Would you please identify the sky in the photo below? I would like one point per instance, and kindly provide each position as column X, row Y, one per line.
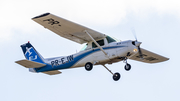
column 156, row 23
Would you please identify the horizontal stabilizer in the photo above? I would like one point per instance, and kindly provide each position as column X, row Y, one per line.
column 30, row 64
column 149, row 57
column 54, row 72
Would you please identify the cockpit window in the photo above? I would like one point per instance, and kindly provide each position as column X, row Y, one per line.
column 109, row 39
column 100, row 42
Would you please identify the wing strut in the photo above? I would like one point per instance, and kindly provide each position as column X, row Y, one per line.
column 95, row 42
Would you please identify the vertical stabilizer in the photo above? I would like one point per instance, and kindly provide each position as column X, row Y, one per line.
column 31, row 53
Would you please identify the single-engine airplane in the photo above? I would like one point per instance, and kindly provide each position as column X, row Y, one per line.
column 100, row 49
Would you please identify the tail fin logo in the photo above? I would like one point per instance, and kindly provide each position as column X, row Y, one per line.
column 29, row 54
column 28, row 50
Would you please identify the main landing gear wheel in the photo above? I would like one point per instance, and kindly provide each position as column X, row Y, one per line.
column 116, row 76
column 88, row 66
column 127, row 67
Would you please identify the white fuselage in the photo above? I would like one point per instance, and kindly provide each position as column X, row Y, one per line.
column 116, row 51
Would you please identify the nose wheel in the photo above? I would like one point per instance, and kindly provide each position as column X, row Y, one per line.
column 127, row 67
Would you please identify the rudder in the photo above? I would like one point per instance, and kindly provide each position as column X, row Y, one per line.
column 31, row 53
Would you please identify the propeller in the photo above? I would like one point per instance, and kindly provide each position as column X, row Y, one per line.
column 137, row 44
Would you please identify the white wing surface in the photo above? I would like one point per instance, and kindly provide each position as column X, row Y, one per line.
column 67, row 29
column 149, row 57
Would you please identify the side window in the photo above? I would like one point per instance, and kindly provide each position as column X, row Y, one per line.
column 100, row 42
column 84, row 47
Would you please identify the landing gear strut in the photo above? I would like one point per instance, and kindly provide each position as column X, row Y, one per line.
column 127, row 67
column 116, row 76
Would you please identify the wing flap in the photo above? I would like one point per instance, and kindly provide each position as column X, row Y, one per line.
column 67, row 29
column 54, row 72
column 149, row 57
column 30, row 64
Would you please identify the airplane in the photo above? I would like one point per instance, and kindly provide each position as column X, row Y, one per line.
column 99, row 49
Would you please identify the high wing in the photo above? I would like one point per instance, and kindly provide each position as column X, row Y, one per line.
column 30, row 64
column 149, row 57
column 67, row 29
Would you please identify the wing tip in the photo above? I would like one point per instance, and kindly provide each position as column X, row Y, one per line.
column 45, row 14
column 167, row 59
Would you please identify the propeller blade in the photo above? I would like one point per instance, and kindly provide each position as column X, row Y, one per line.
column 137, row 43
column 134, row 33
column 140, row 52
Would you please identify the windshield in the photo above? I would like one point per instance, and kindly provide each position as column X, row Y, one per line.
column 109, row 39
column 84, row 47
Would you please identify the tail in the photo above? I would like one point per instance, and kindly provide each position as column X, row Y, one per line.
column 31, row 54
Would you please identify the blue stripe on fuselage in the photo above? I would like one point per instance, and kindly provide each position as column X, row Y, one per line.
column 71, row 63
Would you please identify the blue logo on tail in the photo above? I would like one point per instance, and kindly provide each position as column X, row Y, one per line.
column 30, row 53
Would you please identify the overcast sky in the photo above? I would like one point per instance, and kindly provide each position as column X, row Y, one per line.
column 157, row 24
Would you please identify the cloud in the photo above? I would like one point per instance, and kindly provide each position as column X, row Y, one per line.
column 17, row 14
